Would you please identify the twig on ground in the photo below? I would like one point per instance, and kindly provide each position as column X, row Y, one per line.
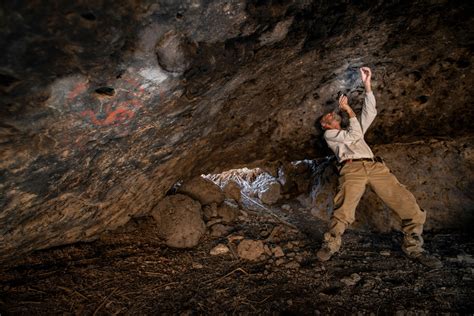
column 103, row 302
column 231, row 272
column 72, row 291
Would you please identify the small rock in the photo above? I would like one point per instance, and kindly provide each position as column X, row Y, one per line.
column 234, row 238
column 286, row 207
column 228, row 211
column 197, row 265
column 219, row 230
column 278, row 252
column 210, row 211
column 352, row 280
column 267, row 250
column 299, row 258
column 292, row 265
column 250, row 249
column 385, row 253
column 219, row 250
column 280, row 261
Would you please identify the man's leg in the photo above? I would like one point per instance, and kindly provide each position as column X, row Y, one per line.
column 352, row 182
column 404, row 204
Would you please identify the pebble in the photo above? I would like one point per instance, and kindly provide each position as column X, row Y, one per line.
column 280, row 261
column 267, row 250
column 197, row 265
column 234, row 238
column 278, row 252
column 219, row 250
column 385, row 253
column 286, row 207
column 292, row 265
column 352, row 280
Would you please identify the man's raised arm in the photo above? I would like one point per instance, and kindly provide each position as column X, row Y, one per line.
column 369, row 110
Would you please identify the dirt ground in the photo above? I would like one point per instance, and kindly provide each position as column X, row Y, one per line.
column 131, row 271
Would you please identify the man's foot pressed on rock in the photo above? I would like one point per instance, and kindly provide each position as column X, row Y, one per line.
column 324, row 254
column 426, row 259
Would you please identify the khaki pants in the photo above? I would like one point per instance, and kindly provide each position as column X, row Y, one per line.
column 354, row 177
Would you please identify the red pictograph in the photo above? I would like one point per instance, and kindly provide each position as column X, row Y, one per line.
column 119, row 109
column 123, row 112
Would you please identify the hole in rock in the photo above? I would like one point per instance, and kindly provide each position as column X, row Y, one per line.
column 463, row 63
column 105, row 91
column 7, row 80
column 422, row 99
column 88, row 16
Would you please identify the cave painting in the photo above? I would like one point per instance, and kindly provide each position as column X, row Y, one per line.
column 120, row 109
column 123, row 112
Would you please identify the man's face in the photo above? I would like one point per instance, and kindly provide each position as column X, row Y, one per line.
column 330, row 121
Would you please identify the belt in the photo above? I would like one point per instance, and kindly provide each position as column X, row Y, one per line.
column 375, row 159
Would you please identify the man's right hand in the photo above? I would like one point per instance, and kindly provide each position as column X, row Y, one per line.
column 366, row 75
column 344, row 105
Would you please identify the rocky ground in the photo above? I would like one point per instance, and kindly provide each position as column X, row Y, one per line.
column 131, row 271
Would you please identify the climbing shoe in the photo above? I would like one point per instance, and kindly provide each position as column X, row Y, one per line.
column 324, row 254
column 426, row 259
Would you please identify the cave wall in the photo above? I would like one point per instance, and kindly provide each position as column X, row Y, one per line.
column 106, row 104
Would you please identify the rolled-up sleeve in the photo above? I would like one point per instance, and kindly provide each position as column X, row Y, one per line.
column 369, row 111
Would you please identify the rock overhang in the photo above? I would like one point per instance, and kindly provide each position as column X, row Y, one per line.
column 105, row 107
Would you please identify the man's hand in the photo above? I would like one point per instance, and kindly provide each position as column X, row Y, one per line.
column 366, row 75
column 344, row 105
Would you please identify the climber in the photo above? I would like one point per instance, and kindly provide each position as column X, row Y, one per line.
column 358, row 168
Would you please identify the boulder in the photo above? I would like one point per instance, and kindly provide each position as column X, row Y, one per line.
column 203, row 190
column 232, row 190
column 179, row 221
column 174, row 52
column 270, row 193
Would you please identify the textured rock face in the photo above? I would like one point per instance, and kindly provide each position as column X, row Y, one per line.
column 105, row 105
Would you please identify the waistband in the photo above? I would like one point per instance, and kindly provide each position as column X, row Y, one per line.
column 374, row 159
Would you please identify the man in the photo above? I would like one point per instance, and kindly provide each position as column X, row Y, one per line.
column 359, row 168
